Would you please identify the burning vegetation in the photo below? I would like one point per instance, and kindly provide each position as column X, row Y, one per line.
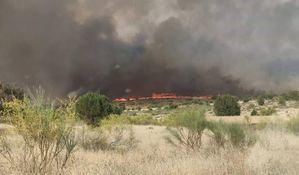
column 159, row 96
column 224, row 75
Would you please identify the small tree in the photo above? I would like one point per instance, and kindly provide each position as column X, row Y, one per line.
column 226, row 105
column 117, row 109
column 254, row 112
column 282, row 101
column 92, row 107
column 261, row 100
column 246, row 99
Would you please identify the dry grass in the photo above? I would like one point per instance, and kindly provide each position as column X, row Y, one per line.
column 276, row 152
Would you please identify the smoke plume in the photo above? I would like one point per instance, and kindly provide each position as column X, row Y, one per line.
column 135, row 47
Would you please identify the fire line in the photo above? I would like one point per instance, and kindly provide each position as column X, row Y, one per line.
column 159, row 96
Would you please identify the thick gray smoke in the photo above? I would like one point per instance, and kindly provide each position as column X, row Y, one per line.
column 135, row 47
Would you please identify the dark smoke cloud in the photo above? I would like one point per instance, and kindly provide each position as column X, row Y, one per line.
column 135, row 47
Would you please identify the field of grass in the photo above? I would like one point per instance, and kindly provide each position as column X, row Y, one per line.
column 276, row 152
column 40, row 138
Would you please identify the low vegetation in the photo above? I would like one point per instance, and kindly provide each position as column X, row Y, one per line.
column 253, row 112
column 186, row 128
column 143, row 119
column 291, row 95
column 226, row 105
column 92, row 107
column 293, row 125
column 267, row 111
column 45, row 131
column 282, row 101
column 8, row 93
column 234, row 134
column 92, row 135
column 261, row 100
column 109, row 137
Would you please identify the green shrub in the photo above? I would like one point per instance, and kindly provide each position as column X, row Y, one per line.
column 232, row 133
column 94, row 141
column 46, row 133
column 267, row 111
column 293, row 125
column 261, row 100
column 186, row 128
column 214, row 97
column 254, row 112
column 116, row 120
column 282, row 101
column 92, row 107
column 219, row 132
column 173, row 106
column 226, row 105
column 250, row 106
column 246, row 99
column 236, row 134
column 108, row 137
column 116, row 109
column 130, row 120
column 8, row 93
column 268, row 95
column 143, row 120
column 291, row 95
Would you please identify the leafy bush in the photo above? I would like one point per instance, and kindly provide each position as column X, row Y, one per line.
column 293, row 125
column 107, row 137
column 250, row 106
column 94, row 142
column 282, row 101
column 46, row 133
column 236, row 134
column 291, row 95
column 261, row 100
column 268, row 95
column 116, row 109
column 171, row 106
column 92, row 107
column 267, row 111
column 219, row 130
column 8, row 93
column 134, row 120
column 246, row 99
column 143, row 120
column 226, row 105
column 187, row 128
column 254, row 112
column 232, row 133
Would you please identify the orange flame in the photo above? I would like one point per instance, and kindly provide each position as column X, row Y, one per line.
column 162, row 96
